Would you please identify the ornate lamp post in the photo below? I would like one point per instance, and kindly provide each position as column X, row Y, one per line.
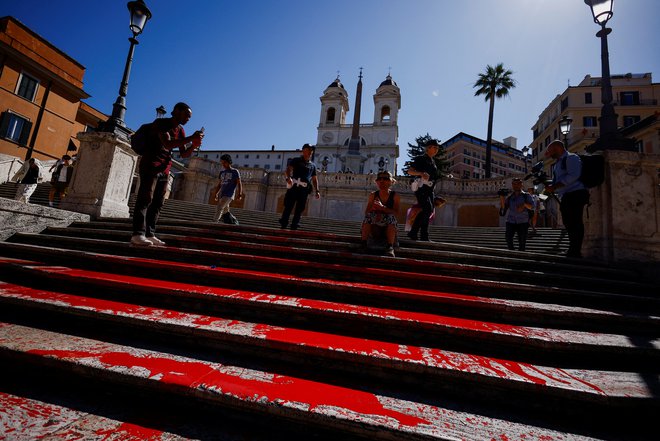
column 565, row 128
column 609, row 138
column 140, row 14
column 160, row 111
column 525, row 150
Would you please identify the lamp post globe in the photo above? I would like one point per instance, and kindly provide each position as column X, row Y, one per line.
column 525, row 150
column 140, row 14
column 610, row 138
column 601, row 10
column 565, row 127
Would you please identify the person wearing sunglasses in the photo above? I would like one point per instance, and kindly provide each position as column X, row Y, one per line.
column 380, row 214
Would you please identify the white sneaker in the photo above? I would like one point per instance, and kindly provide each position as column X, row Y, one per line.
column 156, row 241
column 141, row 241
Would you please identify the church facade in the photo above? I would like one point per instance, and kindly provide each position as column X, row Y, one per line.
column 378, row 147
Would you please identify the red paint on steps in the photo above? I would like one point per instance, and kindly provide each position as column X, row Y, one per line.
column 290, row 337
column 428, row 321
column 277, row 390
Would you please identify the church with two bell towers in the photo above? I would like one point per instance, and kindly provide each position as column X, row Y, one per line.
column 340, row 148
column 358, row 148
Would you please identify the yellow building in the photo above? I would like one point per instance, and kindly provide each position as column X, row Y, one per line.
column 41, row 89
column 635, row 102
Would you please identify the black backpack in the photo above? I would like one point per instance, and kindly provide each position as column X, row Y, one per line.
column 144, row 139
column 593, row 170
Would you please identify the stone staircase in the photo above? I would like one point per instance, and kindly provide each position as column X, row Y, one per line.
column 255, row 333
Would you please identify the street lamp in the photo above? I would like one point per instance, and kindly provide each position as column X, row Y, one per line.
column 525, row 150
column 160, row 111
column 609, row 138
column 565, row 128
column 382, row 164
column 140, row 14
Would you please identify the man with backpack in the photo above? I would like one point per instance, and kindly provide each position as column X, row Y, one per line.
column 574, row 195
column 161, row 137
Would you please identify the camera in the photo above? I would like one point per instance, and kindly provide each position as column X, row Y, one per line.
column 503, row 192
column 539, row 175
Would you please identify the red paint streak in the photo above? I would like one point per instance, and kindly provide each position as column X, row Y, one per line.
column 128, row 431
column 279, row 390
column 294, row 338
column 427, row 321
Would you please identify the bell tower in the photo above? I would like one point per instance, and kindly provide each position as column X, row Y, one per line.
column 387, row 102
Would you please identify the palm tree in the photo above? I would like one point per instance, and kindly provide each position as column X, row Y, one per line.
column 495, row 83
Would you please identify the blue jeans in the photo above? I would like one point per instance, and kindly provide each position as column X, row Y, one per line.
column 521, row 230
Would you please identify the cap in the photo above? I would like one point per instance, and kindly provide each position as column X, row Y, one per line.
column 432, row 142
column 307, row 146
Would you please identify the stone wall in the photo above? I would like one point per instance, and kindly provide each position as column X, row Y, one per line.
column 624, row 216
column 18, row 217
column 344, row 195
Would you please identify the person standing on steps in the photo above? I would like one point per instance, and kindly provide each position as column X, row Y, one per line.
column 229, row 185
column 301, row 180
column 516, row 207
column 426, row 170
column 166, row 135
column 572, row 193
column 28, row 177
column 60, row 179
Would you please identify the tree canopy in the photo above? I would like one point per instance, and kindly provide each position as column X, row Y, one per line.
column 419, row 148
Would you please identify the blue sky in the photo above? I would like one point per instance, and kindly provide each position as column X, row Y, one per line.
column 253, row 70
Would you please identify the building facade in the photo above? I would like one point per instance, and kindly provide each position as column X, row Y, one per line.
column 635, row 102
column 41, row 93
column 467, row 157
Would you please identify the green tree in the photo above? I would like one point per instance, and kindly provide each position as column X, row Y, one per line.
column 418, row 149
column 494, row 83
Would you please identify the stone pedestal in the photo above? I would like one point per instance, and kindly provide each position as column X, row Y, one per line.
column 102, row 177
column 624, row 216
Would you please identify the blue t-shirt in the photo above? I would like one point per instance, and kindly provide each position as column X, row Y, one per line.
column 228, row 181
column 567, row 170
column 514, row 201
column 303, row 170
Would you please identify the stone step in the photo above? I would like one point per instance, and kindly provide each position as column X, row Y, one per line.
column 320, row 253
column 411, row 249
column 399, row 324
column 217, row 297
column 360, row 356
column 335, row 273
column 307, row 402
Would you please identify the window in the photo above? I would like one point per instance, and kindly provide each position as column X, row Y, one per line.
column 267, row 166
column 588, row 99
column 15, row 128
column 629, row 98
column 257, row 157
column 476, row 163
column 466, row 161
column 629, row 120
column 589, row 121
column 27, row 87
column 330, row 118
column 564, row 104
column 278, row 166
column 385, row 114
column 247, row 156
